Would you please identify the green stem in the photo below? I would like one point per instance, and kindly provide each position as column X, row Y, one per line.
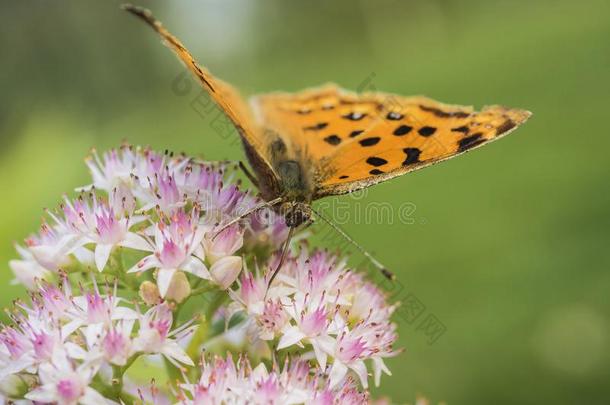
column 173, row 373
column 118, row 373
column 215, row 300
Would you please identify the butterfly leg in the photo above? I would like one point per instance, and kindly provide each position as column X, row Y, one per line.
column 248, row 174
column 380, row 267
column 283, row 256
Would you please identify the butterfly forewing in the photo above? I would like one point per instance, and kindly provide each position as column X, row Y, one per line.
column 343, row 141
column 316, row 121
column 411, row 134
column 228, row 99
column 357, row 140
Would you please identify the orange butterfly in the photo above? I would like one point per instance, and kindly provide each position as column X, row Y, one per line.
column 327, row 141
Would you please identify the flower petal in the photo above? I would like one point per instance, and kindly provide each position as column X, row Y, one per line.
column 337, row 372
column 291, row 336
column 102, row 253
column 135, row 241
column 164, row 279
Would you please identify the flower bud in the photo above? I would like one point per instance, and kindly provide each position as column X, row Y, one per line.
column 179, row 288
column 225, row 271
column 224, row 244
column 150, row 293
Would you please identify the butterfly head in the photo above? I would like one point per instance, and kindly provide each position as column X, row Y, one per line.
column 295, row 213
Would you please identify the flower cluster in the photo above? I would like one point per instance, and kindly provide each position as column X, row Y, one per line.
column 70, row 342
column 152, row 229
column 169, row 207
column 317, row 304
column 224, row 382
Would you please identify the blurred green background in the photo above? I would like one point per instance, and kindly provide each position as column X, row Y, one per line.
column 508, row 245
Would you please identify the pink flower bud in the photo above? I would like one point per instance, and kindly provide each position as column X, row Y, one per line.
column 225, row 271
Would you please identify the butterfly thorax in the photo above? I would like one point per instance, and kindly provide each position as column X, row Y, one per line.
column 294, row 182
column 295, row 191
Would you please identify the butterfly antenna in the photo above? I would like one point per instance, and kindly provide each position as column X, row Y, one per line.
column 382, row 269
column 285, row 249
column 249, row 212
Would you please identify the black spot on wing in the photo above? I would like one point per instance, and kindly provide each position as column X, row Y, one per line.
column 402, row 130
column 470, row 142
column 374, row 140
column 444, row 114
column 332, row 140
column 354, row 116
column 412, row 156
column 505, row 126
column 317, row 127
column 344, row 177
column 394, row 116
column 376, row 161
column 427, row 131
column 355, row 133
column 463, row 129
column 376, row 171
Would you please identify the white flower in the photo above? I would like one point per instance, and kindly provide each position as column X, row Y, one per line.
column 105, row 224
column 27, row 270
column 155, row 336
column 175, row 247
column 66, row 384
column 315, row 304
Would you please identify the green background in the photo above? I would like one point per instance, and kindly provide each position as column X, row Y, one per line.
column 508, row 245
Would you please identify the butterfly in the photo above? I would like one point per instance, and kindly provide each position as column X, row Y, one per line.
column 327, row 141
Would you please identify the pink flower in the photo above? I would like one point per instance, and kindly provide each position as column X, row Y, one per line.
column 155, row 335
column 323, row 308
column 225, row 382
column 95, row 221
column 95, row 312
column 64, row 383
column 117, row 344
column 27, row 270
column 176, row 247
column 224, row 244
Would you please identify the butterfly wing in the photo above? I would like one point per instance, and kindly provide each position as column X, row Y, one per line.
column 229, row 100
column 355, row 141
column 311, row 121
column 409, row 134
